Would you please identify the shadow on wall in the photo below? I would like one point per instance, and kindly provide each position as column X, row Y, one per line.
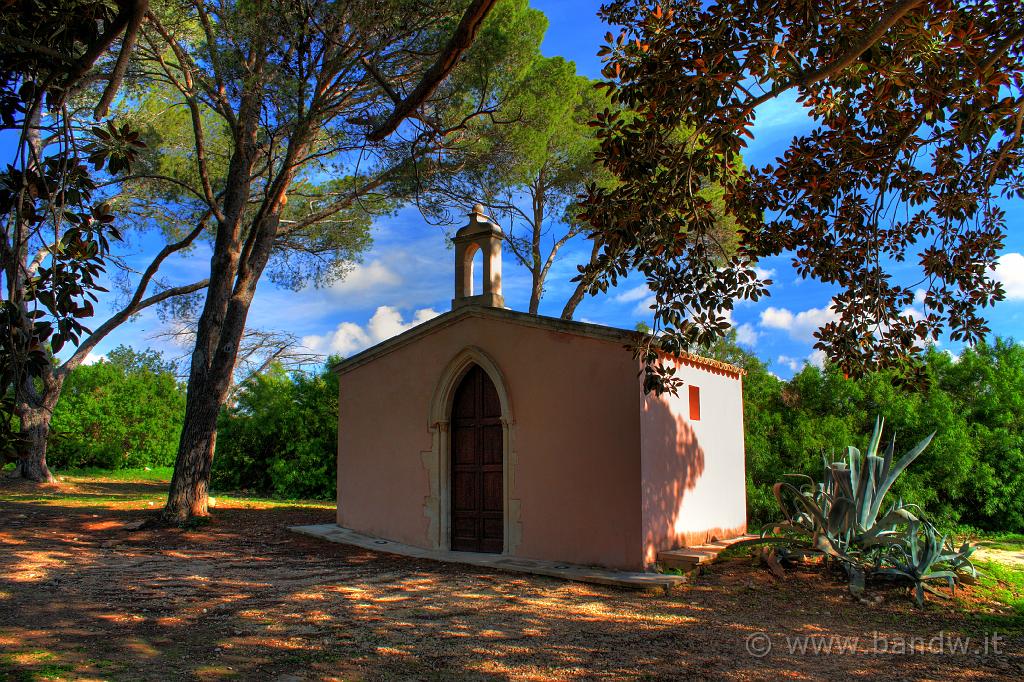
column 673, row 462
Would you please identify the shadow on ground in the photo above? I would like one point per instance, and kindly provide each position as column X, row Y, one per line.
column 242, row 597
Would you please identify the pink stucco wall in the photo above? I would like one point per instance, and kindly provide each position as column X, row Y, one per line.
column 575, row 407
column 693, row 471
column 601, row 474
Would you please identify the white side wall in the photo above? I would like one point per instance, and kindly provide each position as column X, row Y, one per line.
column 693, row 480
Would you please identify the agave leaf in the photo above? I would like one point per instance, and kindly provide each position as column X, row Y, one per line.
column 875, row 467
column 899, row 573
column 915, row 548
column 824, row 544
column 887, row 457
column 876, row 435
column 883, row 540
column 888, row 523
column 904, row 462
column 809, row 506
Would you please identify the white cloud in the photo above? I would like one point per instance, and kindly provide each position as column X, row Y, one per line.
column 746, row 335
column 764, row 273
column 92, row 359
column 641, row 295
column 635, row 294
column 1010, row 272
column 373, row 275
column 817, row 358
column 794, row 364
column 800, row 326
column 348, row 337
column 387, row 322
column 913, row 313
column 644, row 307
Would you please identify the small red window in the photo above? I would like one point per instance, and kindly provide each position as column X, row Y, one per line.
column 694, row 403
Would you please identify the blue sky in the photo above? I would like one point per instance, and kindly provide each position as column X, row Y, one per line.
column 407, row 276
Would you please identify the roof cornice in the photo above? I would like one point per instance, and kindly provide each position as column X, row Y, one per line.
column 555, row 324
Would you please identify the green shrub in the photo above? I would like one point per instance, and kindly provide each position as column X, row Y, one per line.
column 280, row 438
column 971, row 475
column 120, row 413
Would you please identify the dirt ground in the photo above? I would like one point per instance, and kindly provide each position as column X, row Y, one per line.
column 82, row 597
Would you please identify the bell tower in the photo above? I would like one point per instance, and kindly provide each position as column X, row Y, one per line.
column 483, row 235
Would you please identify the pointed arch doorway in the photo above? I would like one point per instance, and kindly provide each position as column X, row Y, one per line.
column 477, row 484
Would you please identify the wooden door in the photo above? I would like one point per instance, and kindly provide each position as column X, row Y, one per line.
column 477, row 485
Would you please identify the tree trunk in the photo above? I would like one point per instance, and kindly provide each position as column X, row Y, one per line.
column 35, row 414
column 536, row 291
column 190, row 486
column 217, row 340
column 577, row 297
column 537, row 268
column 222, row 321
column 581, row 287
column 35, row 428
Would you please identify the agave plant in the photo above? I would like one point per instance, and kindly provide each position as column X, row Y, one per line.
column 923, row 556
column 841, row 518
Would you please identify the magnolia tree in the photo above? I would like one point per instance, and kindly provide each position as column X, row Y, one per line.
column 917, row 111
column 55, row 224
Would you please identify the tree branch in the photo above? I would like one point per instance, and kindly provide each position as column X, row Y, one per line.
column 460, row 41
column 137, row 14
column 83, row 350
column 865, row 40
column 197, row 122
column 137, row 303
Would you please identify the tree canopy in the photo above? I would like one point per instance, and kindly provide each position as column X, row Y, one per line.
column 304, row 99
column 917, row 110
column 527, row 164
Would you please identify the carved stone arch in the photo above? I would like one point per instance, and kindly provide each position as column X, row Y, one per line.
column 437, row 461
column 444, row 391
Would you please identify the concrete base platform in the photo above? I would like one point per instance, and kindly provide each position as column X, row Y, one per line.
column 650, row 582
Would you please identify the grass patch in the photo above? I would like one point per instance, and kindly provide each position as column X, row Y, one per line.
column 1004, row 584
column 131, row 488
column 250, row 501
column 145, row 474
column 1010, row 542
column 739, row 550
column 32, row 665
column 51, row 671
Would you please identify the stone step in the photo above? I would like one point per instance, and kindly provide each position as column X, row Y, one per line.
column 690, row 558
